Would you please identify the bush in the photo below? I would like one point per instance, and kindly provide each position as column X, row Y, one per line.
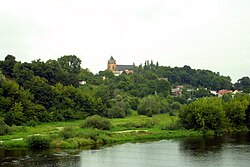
column 67, row 132
column 5, row 129
column 116, row 112
column 150, row 105
column 235, row 112
column 31, row 123
column 141, row 124
column 98, row 122
column 172, row 126
column 15, row 128
column 203, row 114
column 38, row 142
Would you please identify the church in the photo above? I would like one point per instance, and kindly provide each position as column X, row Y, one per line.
column 119, row 69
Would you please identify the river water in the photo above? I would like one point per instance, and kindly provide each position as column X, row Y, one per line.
column 226, row 151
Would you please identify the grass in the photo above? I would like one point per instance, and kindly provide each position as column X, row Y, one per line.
column 71, row 135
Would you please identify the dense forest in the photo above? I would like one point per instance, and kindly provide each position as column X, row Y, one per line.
column 60, row 90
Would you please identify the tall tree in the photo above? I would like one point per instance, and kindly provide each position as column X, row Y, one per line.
column 204, row 113
column 7, row 65
column 72, row 65
column 243, row 84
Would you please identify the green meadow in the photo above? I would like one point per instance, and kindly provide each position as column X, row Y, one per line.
column 71, row 134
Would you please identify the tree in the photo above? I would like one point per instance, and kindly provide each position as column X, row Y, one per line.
column 119, row 108
column 7, row 65
column 150, row 105
column 163, row 87
column 201, row 92
column 97, row 122
column 42, row 91
column 243, row 84
column 15, row 115
column 23, row 73
column 72, row 67
column 5, row 129
column 106, row 74
column 70, row 63
column 235, row 111
column 204, row 114
column 89, row 77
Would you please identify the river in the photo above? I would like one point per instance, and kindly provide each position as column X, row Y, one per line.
column 225, row 151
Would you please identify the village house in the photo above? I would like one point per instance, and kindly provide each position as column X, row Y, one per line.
column 223, row 91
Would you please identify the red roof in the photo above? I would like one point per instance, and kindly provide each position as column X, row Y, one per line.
column 222, row 92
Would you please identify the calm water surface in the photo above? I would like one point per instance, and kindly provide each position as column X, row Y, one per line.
column 194, row 152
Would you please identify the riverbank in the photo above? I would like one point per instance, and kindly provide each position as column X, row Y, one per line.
column 72, row 135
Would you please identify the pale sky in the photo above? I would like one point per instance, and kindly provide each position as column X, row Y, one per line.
column 204, row 34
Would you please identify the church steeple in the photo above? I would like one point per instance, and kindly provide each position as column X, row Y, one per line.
column 111, row 64
column 112, row 60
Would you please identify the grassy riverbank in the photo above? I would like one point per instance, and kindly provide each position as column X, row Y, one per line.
column 72, row 135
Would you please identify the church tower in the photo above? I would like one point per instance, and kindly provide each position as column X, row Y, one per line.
column 111, row 64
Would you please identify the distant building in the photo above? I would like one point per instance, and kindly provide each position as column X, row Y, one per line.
column 176, row 91
column 214, row 92
column 222, row 92
column 119, row 69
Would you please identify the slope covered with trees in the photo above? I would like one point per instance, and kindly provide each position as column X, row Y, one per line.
column 53, row 91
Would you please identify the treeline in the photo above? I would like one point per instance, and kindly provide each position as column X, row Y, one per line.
column 41, row 92
column 219, row 114
column 188, row 76
column 60, row 90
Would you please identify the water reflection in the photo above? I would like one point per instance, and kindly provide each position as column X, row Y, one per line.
column 230, row 150
column 41, row 158
column 201, row 147
column 193, row 152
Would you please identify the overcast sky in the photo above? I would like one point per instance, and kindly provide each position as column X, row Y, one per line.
column 204, row 34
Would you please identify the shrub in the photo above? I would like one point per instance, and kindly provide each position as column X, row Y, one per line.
column 172, row 126
column 38, row 142
column 5, row 129
column 98, row 122
column 15, row 128
column 67, row 132
column 204, row 113
column 149, row 106
column 235, row 112
column 141, row 124
column 31, row 123
column 116, row 112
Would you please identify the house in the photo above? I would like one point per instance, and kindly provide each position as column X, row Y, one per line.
column 176, row 92
column 223, row 91
column 119, row 69
column 214, row 92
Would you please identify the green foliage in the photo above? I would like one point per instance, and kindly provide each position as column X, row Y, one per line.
column 15, row 115
column 173, row 125
column 203, row 114
column 23, row 73
column 235, row 111
column 5, row 129
column 67, row 132
column 119, row 108
column 48, row 91
column 7, row 65
column 97, row 122
column 174, row 108
column 227, row 97
column 141, row 124
column 38, row 142
column 32, row 123
column 243, row 84
column 201, row 92
column 149, row 105
column 196, row 78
